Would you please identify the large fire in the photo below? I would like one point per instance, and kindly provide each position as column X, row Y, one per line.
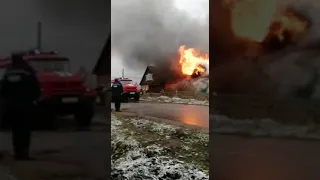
column 192, row 61
column 257, row 20
column 192, row 64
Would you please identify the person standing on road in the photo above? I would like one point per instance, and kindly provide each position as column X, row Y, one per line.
column 117, row 91
column 19, row 90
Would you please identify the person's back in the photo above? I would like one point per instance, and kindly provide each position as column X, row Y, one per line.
column 18, row 87
column 19, row 90
column 117, row 91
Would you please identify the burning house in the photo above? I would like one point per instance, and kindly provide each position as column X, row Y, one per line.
column 161, row 34
column 253, row 46
column 150, row 81
column 266, row 59
column 185, row 72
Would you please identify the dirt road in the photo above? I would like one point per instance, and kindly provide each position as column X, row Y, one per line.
column 190, row 114
column 244, row 158
column 62, row 154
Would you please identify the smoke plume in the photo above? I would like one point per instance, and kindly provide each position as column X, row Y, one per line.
column 293, row 71
column 148, row 32
column 296, row 70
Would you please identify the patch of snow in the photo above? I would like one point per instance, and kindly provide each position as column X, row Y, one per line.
column 202, row 138
column 196, row 137
column 261, row 127
column 155, row 149
column 176, row 100
column 115, row 123
column 185, row 147
column 160, row 128
column 132, row 161
column 137, row 165
column 163, row 129
column 125, row 141
column 139, row 122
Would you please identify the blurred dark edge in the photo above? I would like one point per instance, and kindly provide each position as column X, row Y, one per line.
column 106, row 58
column 219, row 39
column 102, row 71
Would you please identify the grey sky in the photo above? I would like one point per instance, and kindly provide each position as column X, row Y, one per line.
column 75, row 28
column 197, row 9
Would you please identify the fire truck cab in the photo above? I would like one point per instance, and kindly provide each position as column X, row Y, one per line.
column 130, row 89
column 63, row 92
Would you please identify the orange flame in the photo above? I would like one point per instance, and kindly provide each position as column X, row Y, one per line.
column 191, row 61
column 253, row 19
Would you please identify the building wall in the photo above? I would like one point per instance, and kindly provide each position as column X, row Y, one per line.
column 75, row 28
column 155, row 88
column 104, row 80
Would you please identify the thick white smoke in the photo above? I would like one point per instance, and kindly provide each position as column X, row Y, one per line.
column 296, row 69
column 150, row 32
column 293, row 71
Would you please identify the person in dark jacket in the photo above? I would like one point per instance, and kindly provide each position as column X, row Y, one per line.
column 20, row 89
column 117, row 91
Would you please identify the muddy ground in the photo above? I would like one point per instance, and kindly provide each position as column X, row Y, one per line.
column 62, row 154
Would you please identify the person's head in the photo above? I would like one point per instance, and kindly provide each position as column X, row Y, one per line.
column 116, row 80
column 17, row 59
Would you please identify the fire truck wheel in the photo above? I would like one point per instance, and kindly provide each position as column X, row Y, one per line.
column 84, row 115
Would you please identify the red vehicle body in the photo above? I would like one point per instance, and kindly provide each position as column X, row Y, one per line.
column 130, row 90
column 63, row 92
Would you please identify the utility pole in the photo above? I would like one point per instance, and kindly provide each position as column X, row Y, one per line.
column 39, row 35
column 122, row 73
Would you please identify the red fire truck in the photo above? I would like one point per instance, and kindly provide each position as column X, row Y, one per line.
column 63, row 92
column 130, row 89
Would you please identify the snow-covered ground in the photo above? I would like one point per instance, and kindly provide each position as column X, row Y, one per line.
column 262, row 128
column 139, row 151
column 177, row 100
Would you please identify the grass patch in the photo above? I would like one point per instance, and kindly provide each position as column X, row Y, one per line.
column 159, row 139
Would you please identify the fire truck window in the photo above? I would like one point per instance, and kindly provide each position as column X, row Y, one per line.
column 61, row 66
column 48, row 66
column 40, row 65
column 126, row 82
